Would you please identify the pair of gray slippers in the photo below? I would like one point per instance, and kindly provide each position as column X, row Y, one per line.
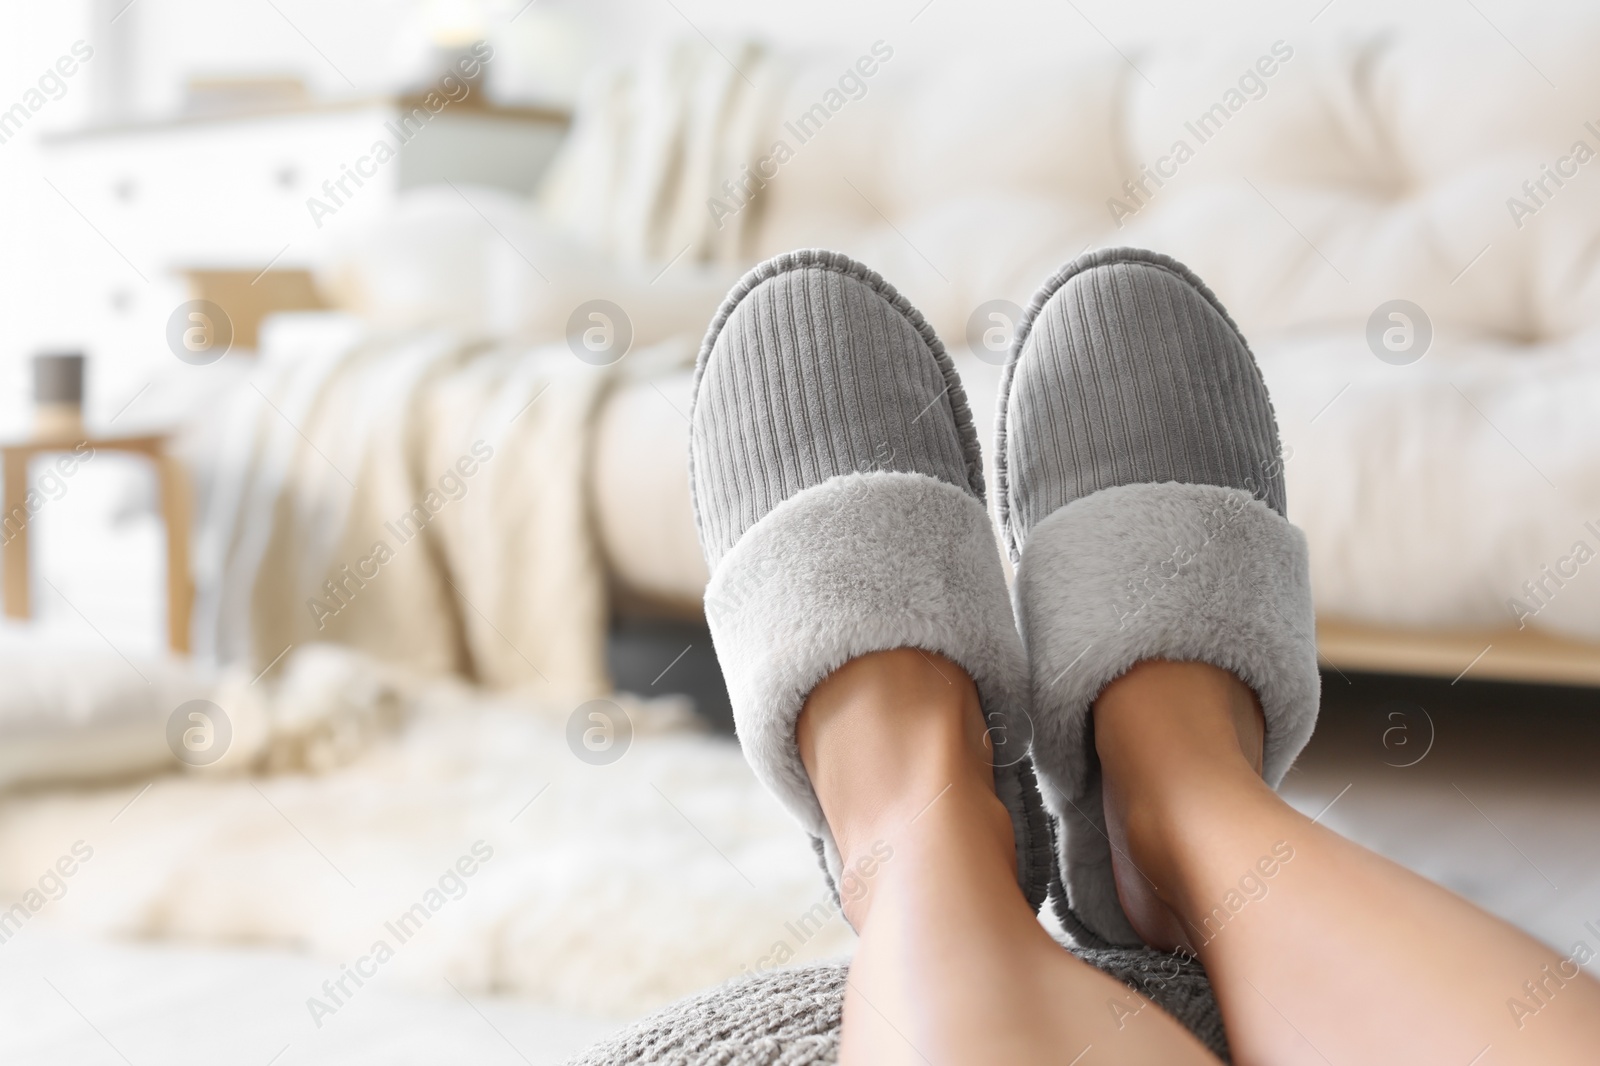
column 839, row 493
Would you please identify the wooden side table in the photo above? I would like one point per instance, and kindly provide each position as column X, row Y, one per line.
column 175, row 513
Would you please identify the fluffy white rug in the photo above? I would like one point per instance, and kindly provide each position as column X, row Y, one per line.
column 608, row 888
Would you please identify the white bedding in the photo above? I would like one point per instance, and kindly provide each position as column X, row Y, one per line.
column 1433, row 494
column 1422, row 489
column 640, row 487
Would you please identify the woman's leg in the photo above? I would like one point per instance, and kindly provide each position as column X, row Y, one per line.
column 953, row 966
column 1319, row 950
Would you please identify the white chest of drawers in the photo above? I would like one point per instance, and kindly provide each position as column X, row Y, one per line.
column 247, row 192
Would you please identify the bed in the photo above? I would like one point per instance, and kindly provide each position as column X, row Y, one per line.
column 1444, row 490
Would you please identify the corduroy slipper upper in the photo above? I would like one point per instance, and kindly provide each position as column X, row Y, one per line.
column 838, row 493
column 1141, row 496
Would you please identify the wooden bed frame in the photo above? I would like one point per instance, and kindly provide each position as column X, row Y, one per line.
column 1476, row 655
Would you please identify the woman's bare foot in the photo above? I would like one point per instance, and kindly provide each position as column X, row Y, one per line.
column 885, row 738
column 1319, row 950
column 1162, row 730
column 953, row 965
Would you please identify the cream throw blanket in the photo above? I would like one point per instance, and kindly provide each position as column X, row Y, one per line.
column 330, row 463
column 422, row 498
column 651, row 141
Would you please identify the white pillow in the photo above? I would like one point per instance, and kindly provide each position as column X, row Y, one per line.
column 426, row 263
column 72, row 710
column 486, row 261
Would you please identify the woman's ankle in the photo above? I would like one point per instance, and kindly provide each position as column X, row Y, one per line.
column 897, row 752
column 955, row 854
column 1180, row 749
column 1161, row 716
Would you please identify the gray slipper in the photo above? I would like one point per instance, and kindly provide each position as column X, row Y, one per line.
column 838, row 492
column 1141, row 496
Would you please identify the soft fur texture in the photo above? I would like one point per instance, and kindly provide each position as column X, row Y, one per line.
column 1164, row 571
column 863, row 563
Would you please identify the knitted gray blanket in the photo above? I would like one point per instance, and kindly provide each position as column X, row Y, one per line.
column 791, row 1017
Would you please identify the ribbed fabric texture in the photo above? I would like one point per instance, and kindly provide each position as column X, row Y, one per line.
column 791, row 1017
column 829, row 375
column 1128, row 371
